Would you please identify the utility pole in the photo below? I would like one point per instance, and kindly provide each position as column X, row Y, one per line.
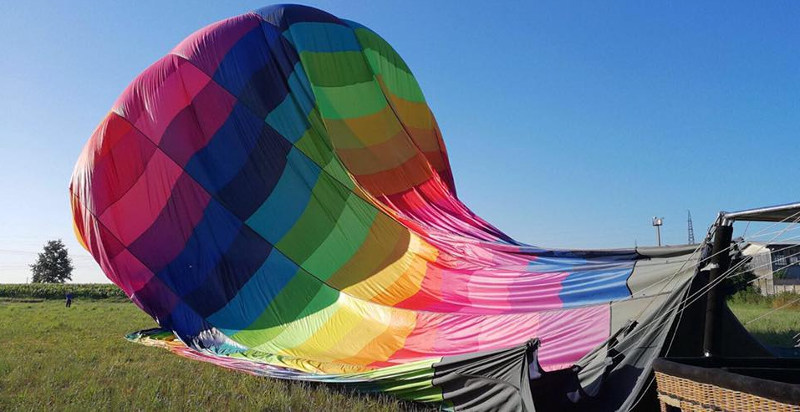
column 657, row 222
column 691, row 229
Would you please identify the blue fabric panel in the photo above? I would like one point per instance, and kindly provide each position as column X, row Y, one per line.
column 241, row 260
column 181, row 137
column 214, row 234
column 167, row 235
column 249, row 55
column 267, row 86
column 265, row 90
column 322, row 37
column 557, row 264
column 282, row 17
column 301, row 88
column 186, row 323
column 157, row 300
column 289, row 120
column 255, row 295
column 283, row 52
column 355, row 25
column 224, row 156
column 620, row 255
column 586, row 287
column 288, row 200
column 255, row 181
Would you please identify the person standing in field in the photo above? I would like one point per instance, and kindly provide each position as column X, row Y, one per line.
column 69, row 299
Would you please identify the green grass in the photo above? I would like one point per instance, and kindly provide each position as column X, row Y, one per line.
column 56, row 358
column 777, row 328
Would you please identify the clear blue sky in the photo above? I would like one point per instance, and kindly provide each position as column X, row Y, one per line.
column 569, row 124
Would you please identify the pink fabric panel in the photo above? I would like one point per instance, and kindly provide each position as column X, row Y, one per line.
column 167, row 236
column 132, row 273
column 570, row 334
column 440, row 334
column 195, row 125
column 136, row 210
column 119, row 154
column 153, row 100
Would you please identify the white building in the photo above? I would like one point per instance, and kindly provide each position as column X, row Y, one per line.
column 776, row 266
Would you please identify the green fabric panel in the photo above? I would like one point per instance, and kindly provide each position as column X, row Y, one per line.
column 344, row 240
column 315, row 147
column 318, row 219
column 290, row 336
column 370, row 40
column 302, row 296
column 335, row 168
column 348, row 102
column 386, row 243
column 384, row 60
column 342, row 136
column 336, row 69
column 399, row 82
column 420, row 391
column 413, row 381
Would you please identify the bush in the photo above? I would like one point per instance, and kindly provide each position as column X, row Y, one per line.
column 752, row 297
column 786, row 298
column 749, row 297
column 59, row 291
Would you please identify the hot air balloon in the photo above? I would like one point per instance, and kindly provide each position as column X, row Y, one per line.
column 275, row 193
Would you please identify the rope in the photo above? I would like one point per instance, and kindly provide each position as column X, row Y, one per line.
column 686, row 302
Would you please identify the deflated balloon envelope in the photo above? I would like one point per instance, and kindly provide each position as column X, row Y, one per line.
column 275, row 192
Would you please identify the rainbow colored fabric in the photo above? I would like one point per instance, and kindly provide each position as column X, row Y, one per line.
column 276, row 194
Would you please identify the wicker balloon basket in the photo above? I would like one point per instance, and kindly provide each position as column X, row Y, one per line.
column 728, row 385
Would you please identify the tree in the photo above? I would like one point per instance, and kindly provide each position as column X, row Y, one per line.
column 741, row 279
column 53, row 265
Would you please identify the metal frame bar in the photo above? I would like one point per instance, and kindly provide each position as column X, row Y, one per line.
column 752, row 214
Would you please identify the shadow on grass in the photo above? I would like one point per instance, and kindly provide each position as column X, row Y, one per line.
column 780, row 343
column 775, row 338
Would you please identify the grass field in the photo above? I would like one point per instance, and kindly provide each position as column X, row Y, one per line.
column 777, row 328
column 56, row 358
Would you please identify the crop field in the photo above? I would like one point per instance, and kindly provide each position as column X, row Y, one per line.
column 59, row 290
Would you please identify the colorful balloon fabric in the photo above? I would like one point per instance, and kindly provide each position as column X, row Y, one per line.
column 276, row 194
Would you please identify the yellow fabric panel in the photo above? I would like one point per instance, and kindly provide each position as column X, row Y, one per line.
column 386, row 243
column 391, row 340
column 378, row 288
column 363, row 131
column 374, row 158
